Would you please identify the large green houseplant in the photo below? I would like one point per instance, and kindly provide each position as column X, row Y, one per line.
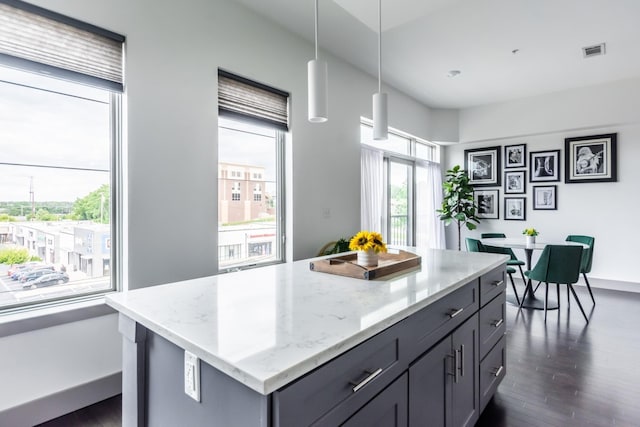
column 458, row 204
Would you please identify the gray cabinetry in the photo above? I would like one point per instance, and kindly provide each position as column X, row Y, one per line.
column 444, row 383
column 388, row 409
column 328, row 395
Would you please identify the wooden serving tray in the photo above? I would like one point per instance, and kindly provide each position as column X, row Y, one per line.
column 345, row 265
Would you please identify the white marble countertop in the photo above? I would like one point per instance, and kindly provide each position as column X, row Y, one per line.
column 267, row 326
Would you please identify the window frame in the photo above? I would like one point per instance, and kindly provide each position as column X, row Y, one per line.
column 116, row 183
column 409, row 159
column 280, row 137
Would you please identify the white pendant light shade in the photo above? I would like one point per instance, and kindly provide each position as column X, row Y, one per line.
column 380, row 127
column 317, row 83
column 318, row 88
column 380, row 131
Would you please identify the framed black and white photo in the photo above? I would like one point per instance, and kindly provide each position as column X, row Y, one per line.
column 591, row 158
column 488, row 203
column 515, row 208
column 514, row 182
column 515, row 156
column 483, row 166
column 545, row 198
column 544, row 166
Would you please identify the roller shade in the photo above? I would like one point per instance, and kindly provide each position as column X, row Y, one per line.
column 238, row 96
column 37, row 39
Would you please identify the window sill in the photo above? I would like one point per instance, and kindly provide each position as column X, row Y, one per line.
column 52, row 315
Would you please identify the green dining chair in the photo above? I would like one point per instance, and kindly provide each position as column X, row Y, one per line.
column 514, row 259
column 587, row 257
column 475, row 245
column 559, row 264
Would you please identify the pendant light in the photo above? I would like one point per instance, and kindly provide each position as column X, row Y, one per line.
column 380, row 131
column 318, row 92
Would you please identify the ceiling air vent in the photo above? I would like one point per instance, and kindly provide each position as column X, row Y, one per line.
column 595, row 50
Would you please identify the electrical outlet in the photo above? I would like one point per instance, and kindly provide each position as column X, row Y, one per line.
column 326, row 213
column 192, row 375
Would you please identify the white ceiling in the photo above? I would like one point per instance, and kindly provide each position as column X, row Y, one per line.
column 422, row 40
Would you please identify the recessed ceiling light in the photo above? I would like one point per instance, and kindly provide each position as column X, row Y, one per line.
column 453, row 73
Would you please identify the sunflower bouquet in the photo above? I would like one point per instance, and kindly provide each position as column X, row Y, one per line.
column 368, row 240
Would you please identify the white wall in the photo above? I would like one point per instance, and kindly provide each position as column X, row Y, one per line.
column 40, row 363
column 173, row 52
column 603, row 210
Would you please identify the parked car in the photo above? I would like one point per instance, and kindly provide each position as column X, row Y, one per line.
column 27, row 276
column 18, row 274
column 19, row 267
column 50, row 279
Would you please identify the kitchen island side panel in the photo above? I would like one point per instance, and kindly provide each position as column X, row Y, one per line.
column 224, row 401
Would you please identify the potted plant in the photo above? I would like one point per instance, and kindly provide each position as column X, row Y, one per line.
column 458, row 204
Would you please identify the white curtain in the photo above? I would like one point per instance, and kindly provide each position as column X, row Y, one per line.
column 429, row 228
column 372, row 190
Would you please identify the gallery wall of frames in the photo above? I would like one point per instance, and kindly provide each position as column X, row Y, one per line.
column 509, row 168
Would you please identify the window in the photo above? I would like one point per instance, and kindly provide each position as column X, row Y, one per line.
column 60, row 163
column 408, row 188
column 257, row 193
column 253, row 147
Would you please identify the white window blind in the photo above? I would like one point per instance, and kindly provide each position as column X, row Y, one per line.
column 243, row 97
column 37, row 39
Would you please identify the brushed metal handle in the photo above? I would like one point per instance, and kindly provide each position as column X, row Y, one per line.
column 497, row 323
column 462, row 360
column 453, row 313
column 498, row 282
column 499, row 371
column 366, row 380
column 456, row 366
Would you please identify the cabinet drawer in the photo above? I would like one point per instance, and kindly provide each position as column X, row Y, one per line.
column 492, row 370
column 491, row 284
column 367, row 368
column 437, row 320
column 492, row 323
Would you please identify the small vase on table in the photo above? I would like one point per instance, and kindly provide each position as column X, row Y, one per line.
column 531, row 240
column 368, row 258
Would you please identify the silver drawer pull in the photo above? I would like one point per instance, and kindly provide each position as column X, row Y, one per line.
column 497, row 323
column 499, row 371
column 367, row 380
column 453, row 313
column 498, row 282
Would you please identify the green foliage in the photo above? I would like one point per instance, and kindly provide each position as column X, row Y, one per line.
column 341, row 245
column 6, row 218
column 14, row 256
column 22, row 209
column 44, row 215
column 94, row 206
column 458, row 205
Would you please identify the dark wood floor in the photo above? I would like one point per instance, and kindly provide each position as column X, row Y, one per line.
column 561, row 374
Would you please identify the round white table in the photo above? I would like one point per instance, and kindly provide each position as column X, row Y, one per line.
column 529, row 298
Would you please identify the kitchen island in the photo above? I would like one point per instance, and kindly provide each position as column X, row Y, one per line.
column 286, row 346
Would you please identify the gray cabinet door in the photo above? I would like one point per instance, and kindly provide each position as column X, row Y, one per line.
column 387, row 409
column 430, row 387
column 465, row 391
column 444, row 383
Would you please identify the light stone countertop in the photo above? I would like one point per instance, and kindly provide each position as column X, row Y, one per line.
column 267, row 326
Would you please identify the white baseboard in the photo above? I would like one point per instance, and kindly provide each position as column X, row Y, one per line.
column 61, row 403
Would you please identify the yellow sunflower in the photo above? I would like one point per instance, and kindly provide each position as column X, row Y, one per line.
column 365, row 240
column 360, row 242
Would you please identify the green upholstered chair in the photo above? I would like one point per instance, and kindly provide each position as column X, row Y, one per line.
column 559, row 264
column 514, row 261
column 475, row 245
column 587, row 257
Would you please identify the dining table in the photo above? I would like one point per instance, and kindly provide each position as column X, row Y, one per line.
column 529, row 299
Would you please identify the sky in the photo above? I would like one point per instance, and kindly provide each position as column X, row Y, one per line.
column 39, row 127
